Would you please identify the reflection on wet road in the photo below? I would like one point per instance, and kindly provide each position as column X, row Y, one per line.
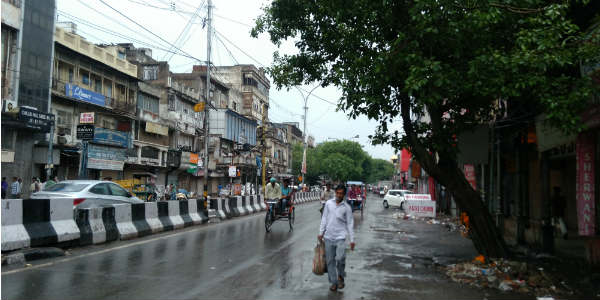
column 237, row 260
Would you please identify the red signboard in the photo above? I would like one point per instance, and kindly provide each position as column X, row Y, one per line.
column 470, row 175
column 404, row 160
column 584, row 188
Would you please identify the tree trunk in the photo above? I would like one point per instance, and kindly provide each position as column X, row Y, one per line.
column 484, row 233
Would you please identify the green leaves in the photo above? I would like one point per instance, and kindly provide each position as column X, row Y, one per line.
column 451, row 60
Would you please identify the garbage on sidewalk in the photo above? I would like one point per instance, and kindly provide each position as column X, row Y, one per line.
column 506, row 275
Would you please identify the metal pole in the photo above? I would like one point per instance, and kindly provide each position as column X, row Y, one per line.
column 305, row 136
column 51, row 138
column 206, row 104
column 264, row 150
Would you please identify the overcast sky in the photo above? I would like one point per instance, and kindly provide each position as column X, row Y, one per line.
column 232, row 22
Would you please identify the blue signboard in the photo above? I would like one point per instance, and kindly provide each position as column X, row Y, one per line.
column 112, row 137
column 79, row 93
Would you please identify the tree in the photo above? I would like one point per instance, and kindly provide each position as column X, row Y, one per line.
column 441, row 66
column 382, row 170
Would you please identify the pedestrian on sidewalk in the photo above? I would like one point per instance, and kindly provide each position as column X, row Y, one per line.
column 337, row 225
column 4, row 187
column 15, row 188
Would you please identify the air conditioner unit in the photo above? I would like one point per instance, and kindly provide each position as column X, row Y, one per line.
column 9, row 105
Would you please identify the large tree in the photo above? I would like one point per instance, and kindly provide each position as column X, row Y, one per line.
column 382, row 170
column 441, row 66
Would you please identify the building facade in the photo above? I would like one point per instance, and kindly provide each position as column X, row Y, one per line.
column 92, row 86
column 26, row 79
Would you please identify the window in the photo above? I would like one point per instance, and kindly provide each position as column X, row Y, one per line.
column 150, row 73
column 97, row 83
column 100, row 189
column 64, row 121
column 234, row 106
column 71, row 75
column 121, row 54
column 117, row 190
column 108, row 88
column 67, row 187
column 172, row 102
column 147, row 104
column 85, row 77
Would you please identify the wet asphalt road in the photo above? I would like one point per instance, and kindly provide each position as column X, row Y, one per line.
column 236, row 259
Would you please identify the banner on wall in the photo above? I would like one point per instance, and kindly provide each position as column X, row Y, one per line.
column 584, row 187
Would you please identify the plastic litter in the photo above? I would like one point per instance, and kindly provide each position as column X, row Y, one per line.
column 505, row 286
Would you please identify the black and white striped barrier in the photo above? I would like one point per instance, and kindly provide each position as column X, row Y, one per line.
column 96, row 225
column 168, row 214
column 46, row 222
column 123, row 217
column 248, row 204
column 255, row 199
column 14, row 234
column 261, row 201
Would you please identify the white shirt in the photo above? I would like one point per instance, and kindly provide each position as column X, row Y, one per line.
column 337, row 222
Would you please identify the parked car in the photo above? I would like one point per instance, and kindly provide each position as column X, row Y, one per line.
column 88, row 193
column 395, row 198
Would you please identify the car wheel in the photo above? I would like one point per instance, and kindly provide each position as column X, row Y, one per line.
column 386, row 205
column 401, row 205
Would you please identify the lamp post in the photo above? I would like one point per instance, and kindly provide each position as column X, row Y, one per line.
column 304, row 135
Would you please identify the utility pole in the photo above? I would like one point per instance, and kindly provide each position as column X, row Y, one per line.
column 305, row 136
column 206, row 105
column 264, row 150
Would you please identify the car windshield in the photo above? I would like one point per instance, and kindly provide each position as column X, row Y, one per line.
column 67, row 187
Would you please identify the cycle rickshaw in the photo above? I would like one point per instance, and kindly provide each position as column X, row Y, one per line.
column 356, row 199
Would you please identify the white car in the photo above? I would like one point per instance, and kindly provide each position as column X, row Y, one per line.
column 88, row 193
column 395, row 198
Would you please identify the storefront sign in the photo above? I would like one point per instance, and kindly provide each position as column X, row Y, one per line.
column 194, row 158
column 105, row 157
column 584, row 187
column 420, row 208
column 37, row 120
column 111, row 137
column 157, row 128
column 86, row 118
column 85, row 132
column 232, row 171
column 79, row 93
column 237, row 189
column 470, row 175
column 417, row 197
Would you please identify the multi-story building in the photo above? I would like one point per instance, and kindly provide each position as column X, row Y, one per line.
column 179, row 122
column 97, row 86
column 232, row 143
column 27, row 48
column 294, row 132
column 251, row 84
column 279, row 150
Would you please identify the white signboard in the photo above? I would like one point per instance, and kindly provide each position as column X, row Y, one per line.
column 420, row 208
column 417, row 197
column 86, row 118
column 232, row 171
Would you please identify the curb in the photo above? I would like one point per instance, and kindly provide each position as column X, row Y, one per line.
column 27, row 255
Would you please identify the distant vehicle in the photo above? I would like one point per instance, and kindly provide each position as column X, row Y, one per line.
column 88, row 193
column 395, row 198
column 381, row 192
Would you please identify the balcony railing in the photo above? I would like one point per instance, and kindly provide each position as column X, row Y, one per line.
column 58, row 86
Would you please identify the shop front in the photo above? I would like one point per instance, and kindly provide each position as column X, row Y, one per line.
column 106, row 154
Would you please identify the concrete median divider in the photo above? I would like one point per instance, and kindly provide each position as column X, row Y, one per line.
column 226, row 207
column 233, row 206
column 124, row 222
column 248, row 204
column 96, row 225
column 201, row 209
column 242, row 205
column 261, row 201
column 256, row 203
column 14, row 234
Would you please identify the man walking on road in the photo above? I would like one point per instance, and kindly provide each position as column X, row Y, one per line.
column 337, row 224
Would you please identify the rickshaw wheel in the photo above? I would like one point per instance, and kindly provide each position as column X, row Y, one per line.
column 291, row 218
column 268, row 221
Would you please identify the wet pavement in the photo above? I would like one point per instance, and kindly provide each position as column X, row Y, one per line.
column 393, row 259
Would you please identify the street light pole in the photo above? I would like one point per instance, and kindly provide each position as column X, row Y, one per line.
column 305, row 136
column 207, row 96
